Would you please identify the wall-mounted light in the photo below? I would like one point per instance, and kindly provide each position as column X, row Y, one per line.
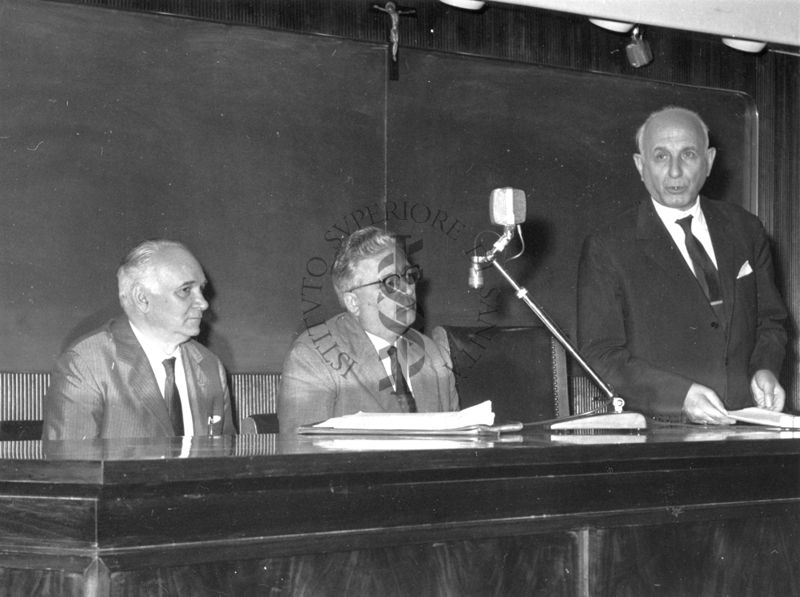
column 466, row 4
column 638, row 50
column 744, row 45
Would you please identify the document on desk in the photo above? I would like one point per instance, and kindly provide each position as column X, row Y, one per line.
column 475, row 420
column 761, row 416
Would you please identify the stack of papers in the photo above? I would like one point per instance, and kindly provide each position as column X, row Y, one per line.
column 473, row 420
column 761, row 416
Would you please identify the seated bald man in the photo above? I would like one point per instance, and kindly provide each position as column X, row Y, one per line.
column 143, row 375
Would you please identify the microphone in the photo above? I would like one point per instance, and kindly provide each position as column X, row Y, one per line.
column 507, row 209
column 475, row 273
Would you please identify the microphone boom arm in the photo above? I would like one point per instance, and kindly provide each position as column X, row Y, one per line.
column 522, row 293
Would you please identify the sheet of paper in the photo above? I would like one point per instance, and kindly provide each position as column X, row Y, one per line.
column 762, row 416
column 385, row 444
column 480, row 414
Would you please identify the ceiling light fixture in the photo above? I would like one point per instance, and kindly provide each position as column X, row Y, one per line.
column 744, row 45
column 615, row 26
column 466, row 4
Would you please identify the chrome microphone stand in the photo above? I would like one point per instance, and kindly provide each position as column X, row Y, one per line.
column 594, row 418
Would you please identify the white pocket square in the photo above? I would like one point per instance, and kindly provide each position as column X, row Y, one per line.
column 745, row 270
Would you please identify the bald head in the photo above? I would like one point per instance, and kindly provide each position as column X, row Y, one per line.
column 674, row 158
column 161, row 290
column 672, row 112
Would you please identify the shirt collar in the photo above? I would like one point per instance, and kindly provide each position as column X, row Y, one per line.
column 155, row 350
column 379, row 343
column 669, row 215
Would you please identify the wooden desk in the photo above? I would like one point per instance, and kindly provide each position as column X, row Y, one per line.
column 675, row 511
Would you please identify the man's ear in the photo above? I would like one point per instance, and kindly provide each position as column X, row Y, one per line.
column 637, row 159
column 351, row 302
column 140, row 298
column 711, row 153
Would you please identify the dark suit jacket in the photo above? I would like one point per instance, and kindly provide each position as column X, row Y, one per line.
column 333, row 369
column 104, row 387
column 645, row 325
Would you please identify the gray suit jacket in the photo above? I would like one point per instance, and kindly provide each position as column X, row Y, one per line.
column 333, row 369
column 646, row 326
column 104, row 387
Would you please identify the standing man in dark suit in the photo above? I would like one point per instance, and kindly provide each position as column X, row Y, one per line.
column 142, row 375
column 367, row 358
column 682, row 317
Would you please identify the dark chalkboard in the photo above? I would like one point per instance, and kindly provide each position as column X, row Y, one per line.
column 460, row 127
column 243, row 143
column 260, row 149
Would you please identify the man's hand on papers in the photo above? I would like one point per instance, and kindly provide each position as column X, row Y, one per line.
column 767, row 391
column 702, row 405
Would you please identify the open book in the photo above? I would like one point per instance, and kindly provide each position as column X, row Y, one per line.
column 475, row 420
column 762, row 416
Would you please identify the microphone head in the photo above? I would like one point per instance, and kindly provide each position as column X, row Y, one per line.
column 507, row 206
column 475, row 274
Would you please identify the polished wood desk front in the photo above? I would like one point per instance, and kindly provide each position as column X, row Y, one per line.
column 674, row 511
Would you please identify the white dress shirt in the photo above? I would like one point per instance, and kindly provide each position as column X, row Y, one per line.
column 670, row 216
column 380, row 346
column 156, row 353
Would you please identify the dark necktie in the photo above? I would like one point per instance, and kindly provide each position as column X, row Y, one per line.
column 401, row 389
column 704, row 270
column 172, row 397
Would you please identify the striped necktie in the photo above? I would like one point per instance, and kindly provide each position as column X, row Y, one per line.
column 401, row 389
column 704, row 269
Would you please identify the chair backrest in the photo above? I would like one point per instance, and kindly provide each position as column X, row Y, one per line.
column 22, row 394
column 253, row 393
column 522, row 370
column 20, row 430
column 259, row 423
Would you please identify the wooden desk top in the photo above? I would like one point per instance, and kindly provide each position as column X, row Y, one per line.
column 131, row 461
column 132, row 502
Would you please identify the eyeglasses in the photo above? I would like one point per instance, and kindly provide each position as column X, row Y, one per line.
column 391, row 283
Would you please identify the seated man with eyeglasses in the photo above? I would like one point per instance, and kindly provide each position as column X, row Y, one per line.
column 367, row 358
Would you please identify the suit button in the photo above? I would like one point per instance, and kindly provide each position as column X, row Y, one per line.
column 715, row 324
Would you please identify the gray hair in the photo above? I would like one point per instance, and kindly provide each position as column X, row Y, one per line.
column 361, row 244
column 684, row 111
column 137, row 266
